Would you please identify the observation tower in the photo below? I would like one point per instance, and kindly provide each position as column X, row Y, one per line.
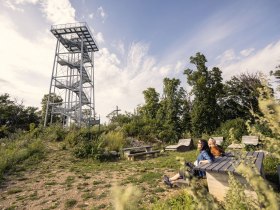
column 72, row 77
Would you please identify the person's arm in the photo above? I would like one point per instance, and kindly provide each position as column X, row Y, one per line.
column 206, row 158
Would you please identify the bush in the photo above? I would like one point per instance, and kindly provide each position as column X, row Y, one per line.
column 232, row 130
column 14, row 151
column 270, row 168
column 54, row 132
column 113, row 140
column 176, row 202
column 264, row 129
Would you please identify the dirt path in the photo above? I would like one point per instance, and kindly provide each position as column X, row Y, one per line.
column 59, row 183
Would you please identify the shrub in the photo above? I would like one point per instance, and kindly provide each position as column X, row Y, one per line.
column 270, row 168
column 181, row 200
column 54, row 132
column 263, row 128
column 113, row 140
column 232, row 129
column 15, row 151
column 235, row 197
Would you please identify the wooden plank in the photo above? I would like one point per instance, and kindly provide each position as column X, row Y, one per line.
column 220, row 165
column 143, row 153
column 171, row 147
column 232, row 167
column 186, row 142
column 219, row 139
column 259, row 161
column 214, row 164
column 235, row 146
column 227, row 164
column 181, row 142
column 135, row 148
column 250, row 140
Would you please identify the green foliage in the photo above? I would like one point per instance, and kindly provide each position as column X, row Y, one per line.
column 113, row 140
column 54, row 101
column 207, row 88
column 54, row 132
column 151, row 106
column 266, row 197
column 181, row 200
column 70, row 203
column 232, row 130
column 18, row 150
column 125, row 198
column 241, row 96
column 235, row 197
column 270, row 168
column 263, row 128
column 14, row 115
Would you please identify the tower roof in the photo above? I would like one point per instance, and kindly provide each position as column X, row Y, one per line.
column 71, row 34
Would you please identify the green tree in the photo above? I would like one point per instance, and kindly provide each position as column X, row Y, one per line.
column 151, row 106
column 207, row 88
column 241, row 96
column 55, row 101
column 14, row 115
column 171, row 109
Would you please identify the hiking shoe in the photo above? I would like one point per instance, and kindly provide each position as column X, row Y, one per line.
column 167, row 181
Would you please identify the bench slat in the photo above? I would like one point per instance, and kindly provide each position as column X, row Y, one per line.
column 182, row 145
column 136, row 148
column 228, row 163
column 143, row 153
column 258, row 162
column 214, row 164
column 220, row 165
column 219, row 139
column 250, row 140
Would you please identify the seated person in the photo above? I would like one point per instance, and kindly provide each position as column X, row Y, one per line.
column 204, row 157
column 215, row 149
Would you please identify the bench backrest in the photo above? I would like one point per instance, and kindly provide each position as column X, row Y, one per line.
column 186, row 142
column 250, row 140
column 219, row 140
column 136, row 148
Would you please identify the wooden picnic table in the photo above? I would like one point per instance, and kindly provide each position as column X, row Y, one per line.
column 132, row 152
column 217, row 173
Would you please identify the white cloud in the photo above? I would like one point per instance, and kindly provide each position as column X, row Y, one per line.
column 263, row 60
column 122, row 81
column 58, row 12
column 247, row 52
column 25, row 65
column 91, row 15
column 101, row 13
column 227, row 57
column 15, row 4
column 119, row 45
column 99, row 38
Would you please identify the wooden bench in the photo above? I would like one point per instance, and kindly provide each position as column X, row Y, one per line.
column 246, row 140
column 143, row 154
column 182, row 146
column 130, row 150
column 217, row 173
column 143, row 151
column 219, row 140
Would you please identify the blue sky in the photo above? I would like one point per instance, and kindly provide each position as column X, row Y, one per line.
column 140, row 42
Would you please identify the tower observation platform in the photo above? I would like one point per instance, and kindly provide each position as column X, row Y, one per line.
column 71, row 92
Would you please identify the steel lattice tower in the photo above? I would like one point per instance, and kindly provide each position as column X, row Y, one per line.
column 73, row 75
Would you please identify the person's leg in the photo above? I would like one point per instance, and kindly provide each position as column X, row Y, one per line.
column 175, row 177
